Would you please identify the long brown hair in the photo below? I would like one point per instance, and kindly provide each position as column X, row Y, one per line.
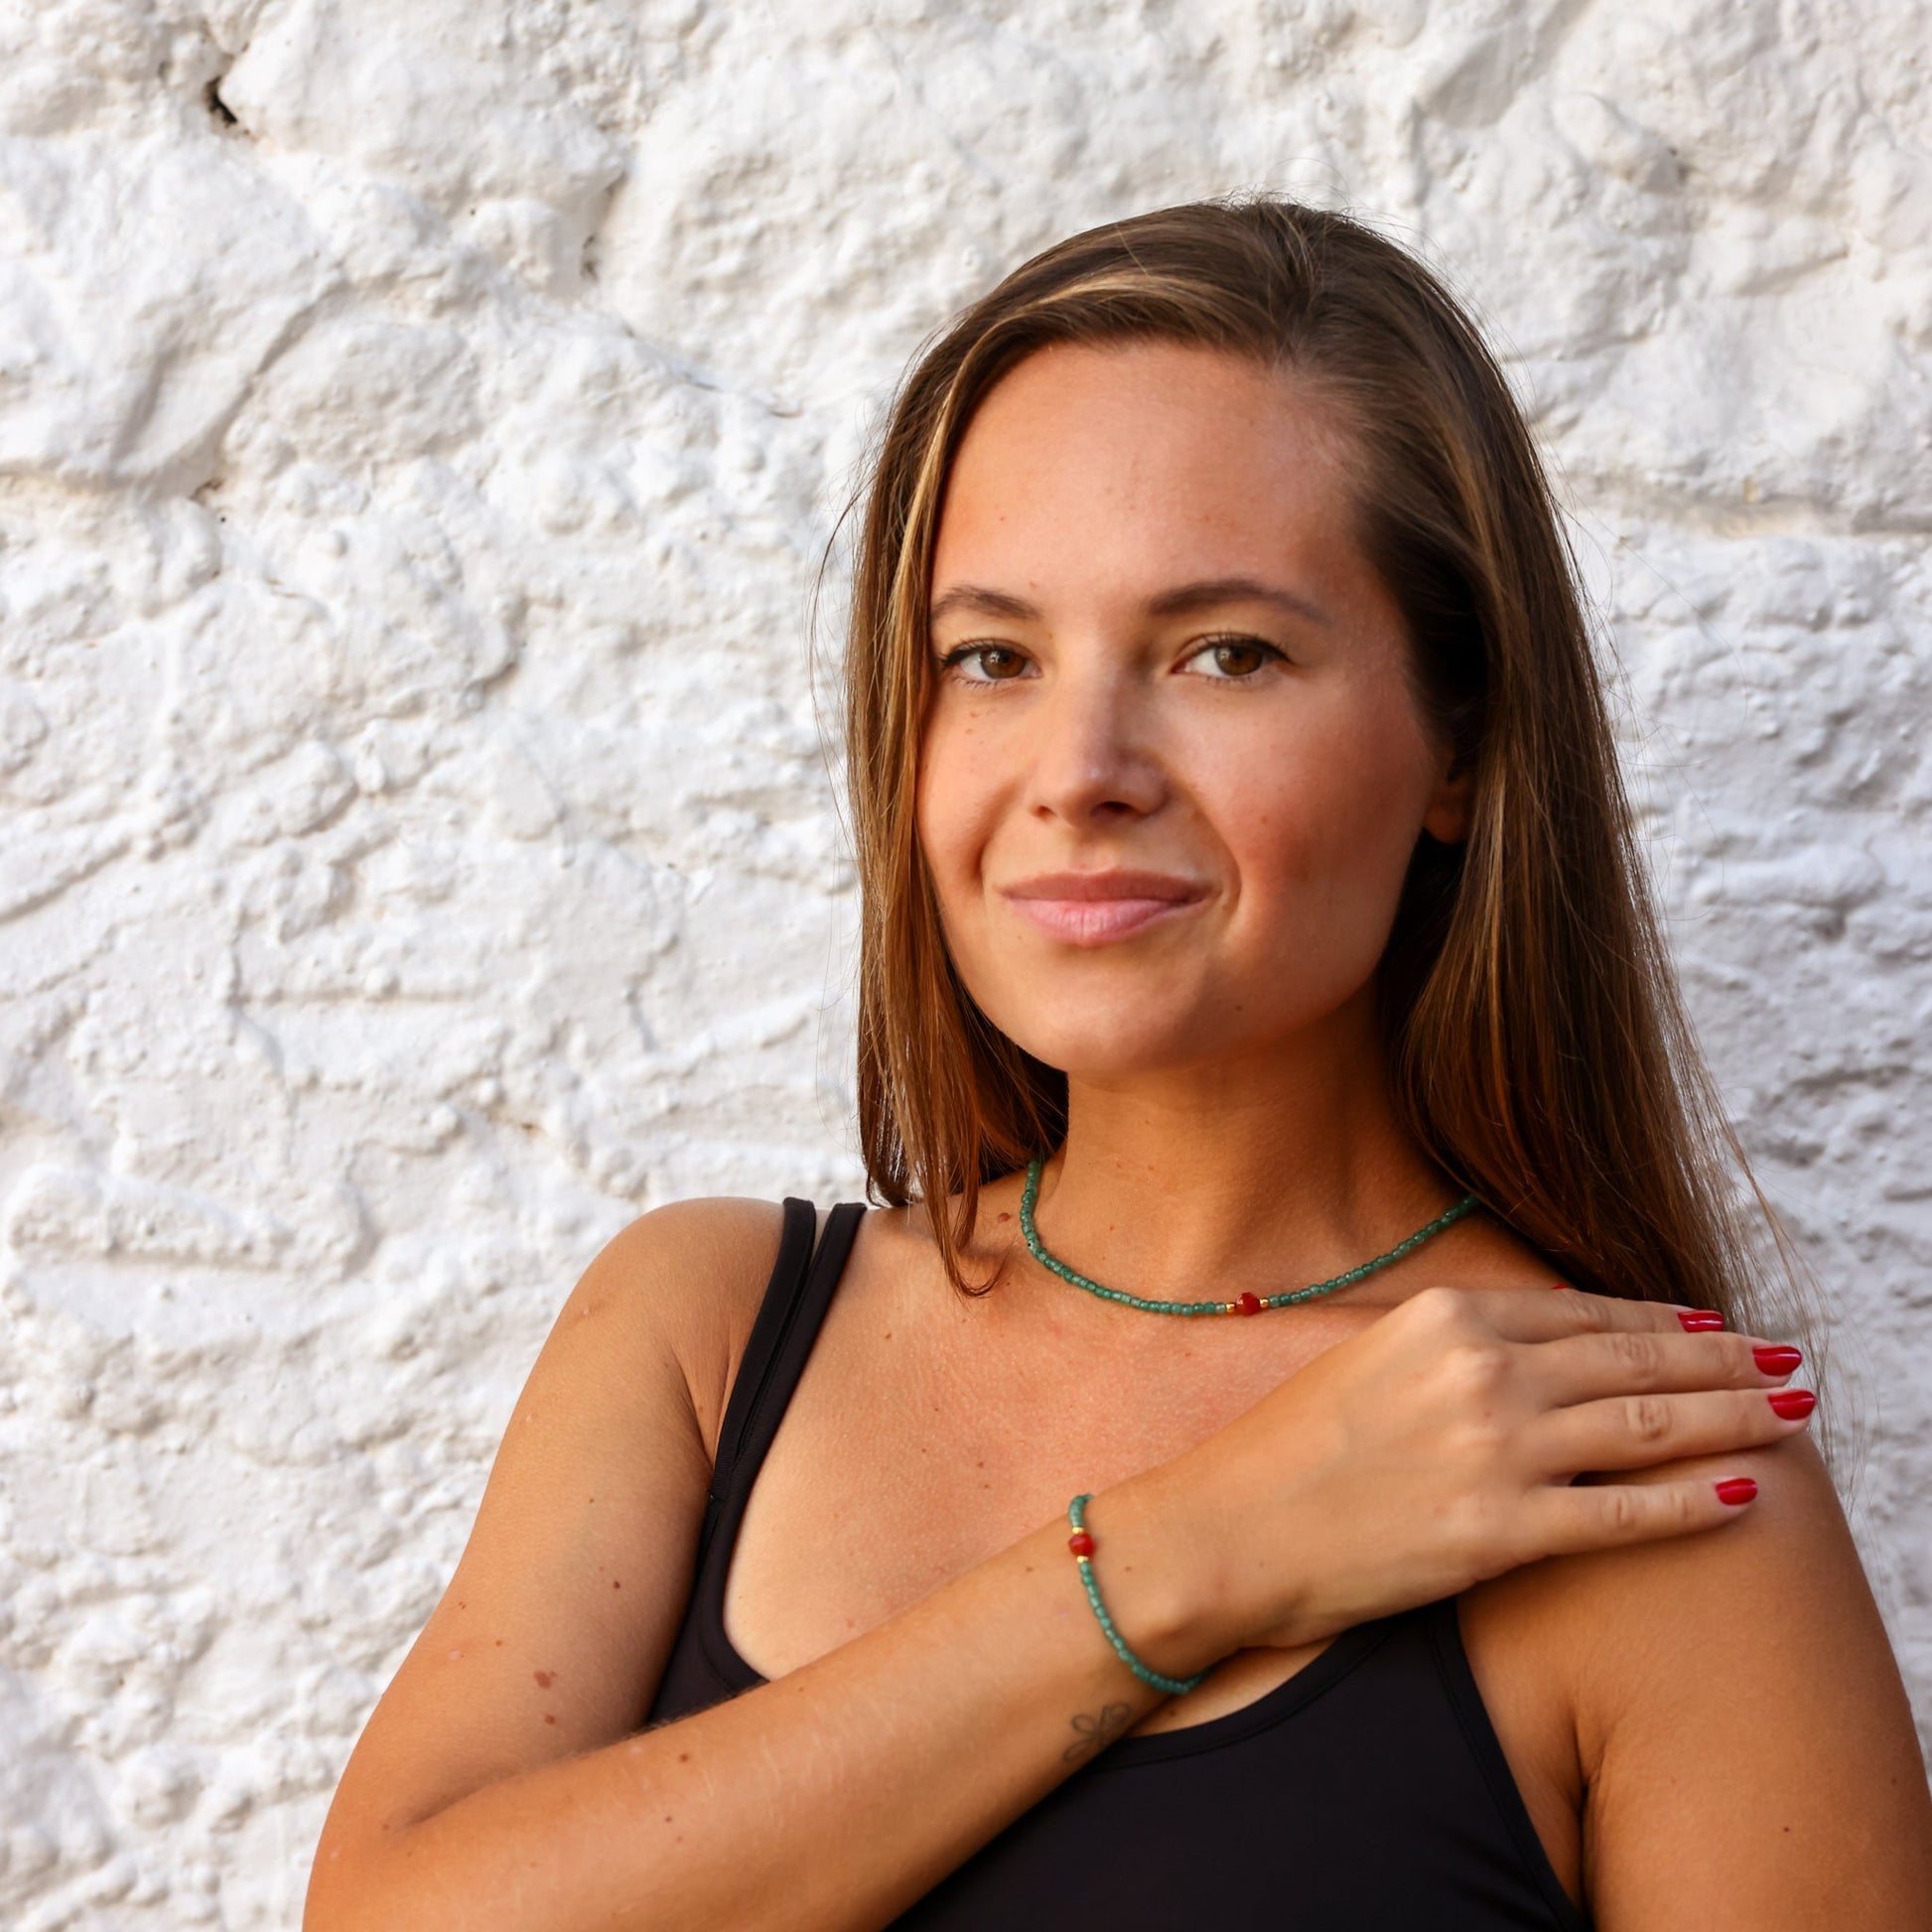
column 1538, row 1049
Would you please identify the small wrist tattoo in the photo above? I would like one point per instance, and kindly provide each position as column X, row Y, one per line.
column 1097, row 1731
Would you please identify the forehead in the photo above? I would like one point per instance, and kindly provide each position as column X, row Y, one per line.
column 1129, row 468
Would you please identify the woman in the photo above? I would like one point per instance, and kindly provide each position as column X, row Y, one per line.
column 1250, row 925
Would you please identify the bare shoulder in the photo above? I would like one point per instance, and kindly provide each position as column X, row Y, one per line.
column 1730, row 1710
column 684, row 1280
column 555, row 1627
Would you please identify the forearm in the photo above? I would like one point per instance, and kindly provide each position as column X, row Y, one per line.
column 833, row 1797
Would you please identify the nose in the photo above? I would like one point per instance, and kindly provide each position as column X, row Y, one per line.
column 1094, row 755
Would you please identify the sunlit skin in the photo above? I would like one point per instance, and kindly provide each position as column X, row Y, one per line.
column 1167, row 674
column 1168, row 826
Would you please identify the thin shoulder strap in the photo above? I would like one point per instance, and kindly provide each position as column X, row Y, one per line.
column 781, row 1337
column 1443, row 1622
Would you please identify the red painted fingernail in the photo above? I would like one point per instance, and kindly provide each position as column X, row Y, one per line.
column 1794, row 1405
column 1559, row 1286
column 1736, row 1489
column 1775, row 1358
column 1698, row 1320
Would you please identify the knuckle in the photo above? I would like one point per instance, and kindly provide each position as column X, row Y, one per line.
column 1476, row 1372
column 1678, row 1507
column 1441, row 1309
column 1482, row 1438
column 1592, row 1314
column 1476, row 1531
column 1648, row 1419
column 1637, row 1354
column 1623, row 1511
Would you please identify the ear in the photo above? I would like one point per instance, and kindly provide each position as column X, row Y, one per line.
column 1452, row 806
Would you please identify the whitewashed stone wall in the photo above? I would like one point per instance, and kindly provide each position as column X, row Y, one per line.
column 419, row 424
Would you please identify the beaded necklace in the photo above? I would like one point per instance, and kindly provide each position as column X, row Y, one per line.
column 1244, row 1304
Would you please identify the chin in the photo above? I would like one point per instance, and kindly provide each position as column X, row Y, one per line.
column 1115, row 1036
column 1108, row 1048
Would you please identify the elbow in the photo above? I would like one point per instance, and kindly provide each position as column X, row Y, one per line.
column 355, row 1886
column 338, row 1898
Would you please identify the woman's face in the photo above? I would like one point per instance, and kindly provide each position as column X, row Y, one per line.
column 1173, row 770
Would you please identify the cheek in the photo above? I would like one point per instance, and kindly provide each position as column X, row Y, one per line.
column 1329, row 823
column 953, row 808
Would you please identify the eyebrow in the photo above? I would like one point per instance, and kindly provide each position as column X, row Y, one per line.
column 980, row 600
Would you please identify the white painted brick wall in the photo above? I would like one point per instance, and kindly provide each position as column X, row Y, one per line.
column 418, row 856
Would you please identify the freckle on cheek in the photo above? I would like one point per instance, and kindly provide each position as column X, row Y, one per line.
column 544, row 1678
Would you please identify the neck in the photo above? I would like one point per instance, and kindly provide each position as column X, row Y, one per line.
column 1261, row 1173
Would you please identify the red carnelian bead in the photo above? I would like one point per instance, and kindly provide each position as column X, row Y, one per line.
column 1249, row 1305
column 1080, row 1543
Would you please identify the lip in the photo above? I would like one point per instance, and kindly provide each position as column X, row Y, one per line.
column 1096, row 909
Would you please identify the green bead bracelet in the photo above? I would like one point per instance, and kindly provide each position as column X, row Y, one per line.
column 1081, row 1544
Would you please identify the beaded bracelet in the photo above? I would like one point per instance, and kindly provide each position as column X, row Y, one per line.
column 1081, row 1544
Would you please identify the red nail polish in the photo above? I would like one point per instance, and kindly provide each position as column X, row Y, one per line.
column 1794, row 1405
column 1775, row 1358
column 1736, row 1489
column 1699, row 1321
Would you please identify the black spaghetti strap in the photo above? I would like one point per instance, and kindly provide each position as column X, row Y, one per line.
column 795, row 1330
column 703, row 1664
column 781, row 1338
column 781, row 1294
column 1445, row 1625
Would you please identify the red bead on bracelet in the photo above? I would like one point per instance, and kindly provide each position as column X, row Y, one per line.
column 1080, row 1543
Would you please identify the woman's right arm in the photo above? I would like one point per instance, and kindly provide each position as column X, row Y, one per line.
column 502, row 1782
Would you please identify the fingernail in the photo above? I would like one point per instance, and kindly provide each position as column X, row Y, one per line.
column 1794, row 1405
column 1776, row 1358
column 1698, row 1320
column 1736, row 1489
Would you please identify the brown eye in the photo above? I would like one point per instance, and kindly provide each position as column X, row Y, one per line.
column 985, row 663
column 1233, row 657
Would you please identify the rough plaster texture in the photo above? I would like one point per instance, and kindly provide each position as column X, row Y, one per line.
column 419, row 425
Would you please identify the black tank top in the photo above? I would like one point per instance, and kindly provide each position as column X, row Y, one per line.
column 1365, row 1794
